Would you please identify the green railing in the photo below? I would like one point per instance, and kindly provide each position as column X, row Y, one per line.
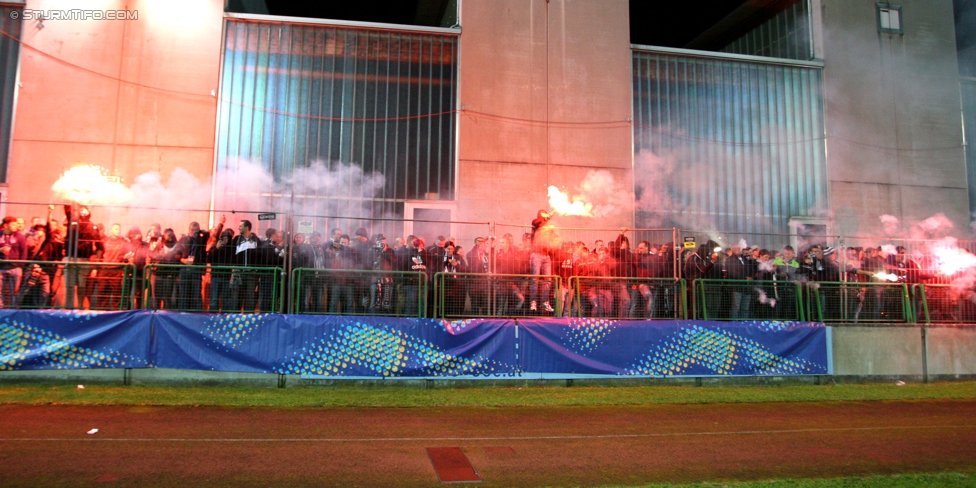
column 854, row 302
column 748, row 300
column 495, row 295
column 212, row 288
column 943, row 304
column 356, row 292
column 633, row 298
column 77, row 285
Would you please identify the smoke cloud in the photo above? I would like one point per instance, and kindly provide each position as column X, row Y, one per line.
column 244, row 188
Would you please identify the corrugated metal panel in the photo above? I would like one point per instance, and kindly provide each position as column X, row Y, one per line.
column 9, row 53
column 292, row 94
column 968, row 91
column 787, row 35
column 727, row 145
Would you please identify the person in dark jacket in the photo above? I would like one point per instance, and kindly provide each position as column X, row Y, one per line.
column 740, row 267
column 381, row 258
column 341, row 259
column 413, row 259
column 244, row 281
column 164, row 286
column 222, row 255
column 35, row 290
column 136, row 253
column 623, row 268
column 83, row 233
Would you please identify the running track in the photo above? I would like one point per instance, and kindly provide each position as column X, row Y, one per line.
column 526, row 446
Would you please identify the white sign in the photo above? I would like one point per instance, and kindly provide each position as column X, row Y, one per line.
column 305, row 227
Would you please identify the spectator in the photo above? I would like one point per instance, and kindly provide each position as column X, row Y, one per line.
column 381, row 285
column 244, row 282
column 13, row 247
column 544, row 242
column 35, row 290
column 168, row 256
column 109, row 278
column 222, row 255
column 740, row 268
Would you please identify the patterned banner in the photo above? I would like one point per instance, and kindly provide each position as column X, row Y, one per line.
column 74, row 340
column 381, row 347
column 673, row 348
column 330, row 346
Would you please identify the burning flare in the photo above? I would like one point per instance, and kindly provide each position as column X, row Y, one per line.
column 560, row 203
column 90, row 185
column 950, row 259
column 881, row 275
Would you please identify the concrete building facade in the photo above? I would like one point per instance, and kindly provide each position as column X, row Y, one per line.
column 544, row 95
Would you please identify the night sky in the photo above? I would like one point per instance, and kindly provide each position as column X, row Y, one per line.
column 652, row 22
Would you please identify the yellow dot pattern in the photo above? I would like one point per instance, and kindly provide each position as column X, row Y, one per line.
column 23, row 346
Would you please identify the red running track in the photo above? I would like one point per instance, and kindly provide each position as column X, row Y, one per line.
column 523, row 446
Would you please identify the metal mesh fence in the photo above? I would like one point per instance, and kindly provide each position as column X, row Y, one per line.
column 212, row 288
column 71, row 285
column 338, row 292
column 941, row 304
column 861, row 302
column 626, row 298
column 911, row 261
column 481, row 295
column 748, row 300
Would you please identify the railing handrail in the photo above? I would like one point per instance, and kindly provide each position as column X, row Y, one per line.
column 220, row 267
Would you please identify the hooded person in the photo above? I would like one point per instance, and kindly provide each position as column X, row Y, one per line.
column 544, row 243
column 169, row 256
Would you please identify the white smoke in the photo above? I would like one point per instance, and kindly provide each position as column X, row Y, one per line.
column 764, row 299
column 242, row 188
column 890, row 223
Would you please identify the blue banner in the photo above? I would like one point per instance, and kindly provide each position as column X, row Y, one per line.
column 382, row 347
column 328, row 346
column 54, row 339
column 673, row 348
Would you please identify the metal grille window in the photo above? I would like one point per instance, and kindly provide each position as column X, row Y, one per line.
column 9, row 54
column 727, row 144
column 382, row 101
column 968, row 90
column 787, row 35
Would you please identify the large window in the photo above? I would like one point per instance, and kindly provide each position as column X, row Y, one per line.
column 342, row 100
column 727, row 145
column 9, row 53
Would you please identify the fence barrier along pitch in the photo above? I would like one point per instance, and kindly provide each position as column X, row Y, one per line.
column 212, row 288
column 67, row 285
column 496, row 295
column 943, row 304
column 355, row 292
column 636, row 298
column 853, row 302
column 749, row 300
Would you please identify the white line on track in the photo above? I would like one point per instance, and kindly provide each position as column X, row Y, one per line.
column 513, row 438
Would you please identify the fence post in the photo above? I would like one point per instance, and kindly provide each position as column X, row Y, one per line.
column 925, row 354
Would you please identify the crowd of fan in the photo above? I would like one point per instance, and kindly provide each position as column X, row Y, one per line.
column 220, row 270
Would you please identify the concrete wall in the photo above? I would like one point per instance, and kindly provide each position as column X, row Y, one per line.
column 891, row 101
column 951, row 350
column 898, row 351
column 162, row 115
column 877, row 351
column 564, row 61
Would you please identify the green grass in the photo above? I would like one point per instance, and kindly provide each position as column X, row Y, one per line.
column 938, row 480
column 476, row 397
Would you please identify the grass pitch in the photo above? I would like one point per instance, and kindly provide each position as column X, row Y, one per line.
column 27, row 394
